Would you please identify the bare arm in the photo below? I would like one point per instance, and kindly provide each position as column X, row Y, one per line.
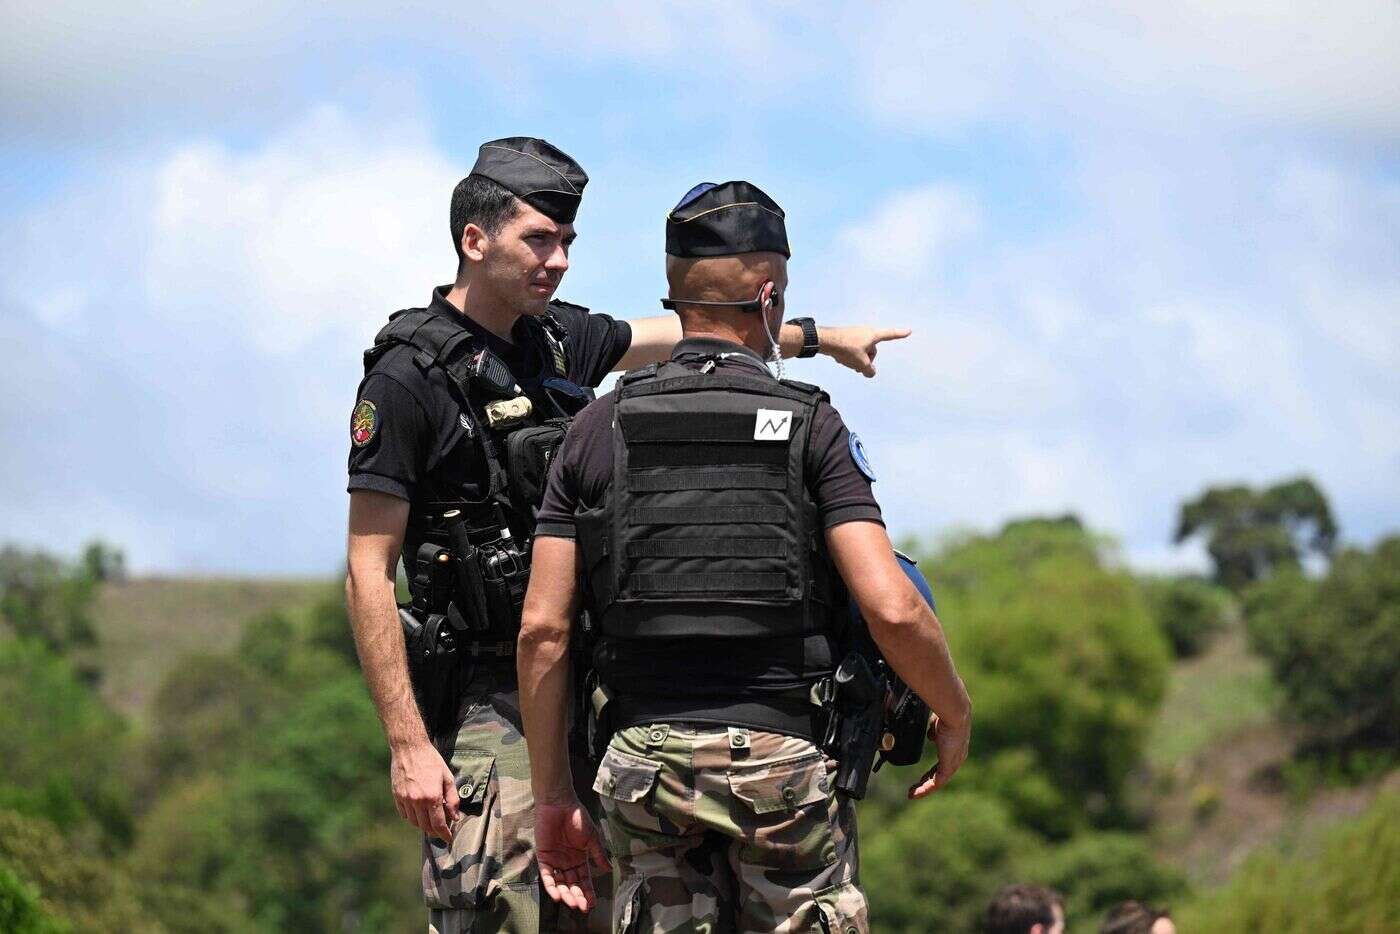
column 424, row 789
column 654, row 338
column 910, row 637
column 564, row 836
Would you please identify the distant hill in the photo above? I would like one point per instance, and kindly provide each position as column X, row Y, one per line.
column 146, row 625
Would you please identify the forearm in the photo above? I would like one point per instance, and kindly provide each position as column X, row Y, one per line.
column 374, row 620
column 542, row 664
column 916, row 648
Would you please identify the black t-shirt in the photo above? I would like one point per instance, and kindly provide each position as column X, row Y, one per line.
column 583, row 468
column 408, row 435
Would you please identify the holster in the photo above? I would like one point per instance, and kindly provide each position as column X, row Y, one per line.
column 856, row 703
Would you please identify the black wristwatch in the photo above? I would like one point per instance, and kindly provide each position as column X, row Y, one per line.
column 809, row 336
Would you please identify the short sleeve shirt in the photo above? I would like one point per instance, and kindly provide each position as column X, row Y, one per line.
column 408, row 436
column 582, row 470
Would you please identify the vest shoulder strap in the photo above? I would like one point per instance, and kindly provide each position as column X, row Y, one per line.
column 817, row 393
column 435, row 338
column 555, row 336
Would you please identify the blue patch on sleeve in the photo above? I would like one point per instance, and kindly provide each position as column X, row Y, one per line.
column 858, row 455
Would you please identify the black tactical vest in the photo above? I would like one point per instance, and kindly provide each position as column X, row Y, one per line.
column 440, row 341
column 706, row 565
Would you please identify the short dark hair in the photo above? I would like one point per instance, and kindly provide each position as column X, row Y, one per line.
column 1017, row 907
column 480, row 201
column 1131, row 918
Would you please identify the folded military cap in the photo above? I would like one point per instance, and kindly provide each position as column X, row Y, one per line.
column 535, row 172
column 722, row 220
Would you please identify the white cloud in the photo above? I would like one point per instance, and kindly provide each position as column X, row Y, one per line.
column 1119, row 363
column 1301, row 63
column 325, row 224
column 188, row 382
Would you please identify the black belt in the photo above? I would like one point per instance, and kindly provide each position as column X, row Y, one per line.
column 784, row 714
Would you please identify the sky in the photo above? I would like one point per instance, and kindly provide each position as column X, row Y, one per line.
column 1144, row 248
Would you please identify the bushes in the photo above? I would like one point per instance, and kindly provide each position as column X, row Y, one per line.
column 1098, row 870
column 1351, row 887
column 1189, row 611
column 1334, row 644
column 63, row 750
column 934, row 865
column 75, row 886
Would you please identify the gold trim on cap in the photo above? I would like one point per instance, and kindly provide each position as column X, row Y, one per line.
column 740, row 204
column 521, row 152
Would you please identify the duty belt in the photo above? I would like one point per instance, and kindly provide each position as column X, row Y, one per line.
column 790, row 715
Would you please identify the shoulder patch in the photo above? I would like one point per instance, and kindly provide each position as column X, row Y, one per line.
column 364, row 423
column 858, row 455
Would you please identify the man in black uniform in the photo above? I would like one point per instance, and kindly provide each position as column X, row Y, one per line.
column 459, row 411
column 700, row 513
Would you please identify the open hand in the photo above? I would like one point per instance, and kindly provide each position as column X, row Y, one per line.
column 951, row 743
column 565, row 842
column 855, row 347
column 425, row 791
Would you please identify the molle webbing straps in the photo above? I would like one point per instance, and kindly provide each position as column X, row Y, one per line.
column 704, row 507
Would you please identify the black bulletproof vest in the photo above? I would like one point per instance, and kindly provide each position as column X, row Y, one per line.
column 706, row 564
column 440, row 341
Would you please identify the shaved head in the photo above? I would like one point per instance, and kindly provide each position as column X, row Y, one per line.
column 723, row 279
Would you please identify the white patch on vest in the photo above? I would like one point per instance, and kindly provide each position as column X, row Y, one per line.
column 772, row 425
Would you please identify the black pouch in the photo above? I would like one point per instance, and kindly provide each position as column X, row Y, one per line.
column 529, row 453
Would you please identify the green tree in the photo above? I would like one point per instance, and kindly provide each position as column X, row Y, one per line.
column 1334, row 644
column 42, row 597
column 1251, row 532
column 78, row 888
column 1064, row 663
column 64, row 751
column 934, row 865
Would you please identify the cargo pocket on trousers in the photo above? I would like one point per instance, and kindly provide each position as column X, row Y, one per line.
column 783, row 811
column 457, row 875
column 842, row 910
column 624, row 783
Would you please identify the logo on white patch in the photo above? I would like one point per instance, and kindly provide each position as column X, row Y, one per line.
column 772, row 425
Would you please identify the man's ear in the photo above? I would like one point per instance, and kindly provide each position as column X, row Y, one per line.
column 475, row 243
column 768, row 296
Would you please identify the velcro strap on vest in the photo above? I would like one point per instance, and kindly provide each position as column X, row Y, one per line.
column 707, row 515
column 719, row 582
column 707, row 548
column 705, row 478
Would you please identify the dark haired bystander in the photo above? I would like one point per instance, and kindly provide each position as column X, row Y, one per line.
column 1137, row 918
column 1026, row 909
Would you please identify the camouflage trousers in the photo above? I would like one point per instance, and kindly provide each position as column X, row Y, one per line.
column 487, row 880
column 727, row 829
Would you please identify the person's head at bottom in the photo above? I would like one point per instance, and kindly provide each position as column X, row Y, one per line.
column 1137, row 918
column 726, row 263
column 1026, row 909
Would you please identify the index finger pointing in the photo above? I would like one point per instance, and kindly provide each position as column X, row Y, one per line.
column 892, row 334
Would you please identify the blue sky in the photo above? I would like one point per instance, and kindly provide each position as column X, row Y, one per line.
column 1143, row 247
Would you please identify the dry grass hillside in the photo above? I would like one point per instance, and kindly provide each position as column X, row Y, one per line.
column 146, row 625
column 1218, row 759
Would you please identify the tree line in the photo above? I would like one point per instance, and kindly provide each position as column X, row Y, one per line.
column 252, row 797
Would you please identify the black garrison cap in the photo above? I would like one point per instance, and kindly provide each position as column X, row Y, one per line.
column 722, row 220
column 535, row 172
